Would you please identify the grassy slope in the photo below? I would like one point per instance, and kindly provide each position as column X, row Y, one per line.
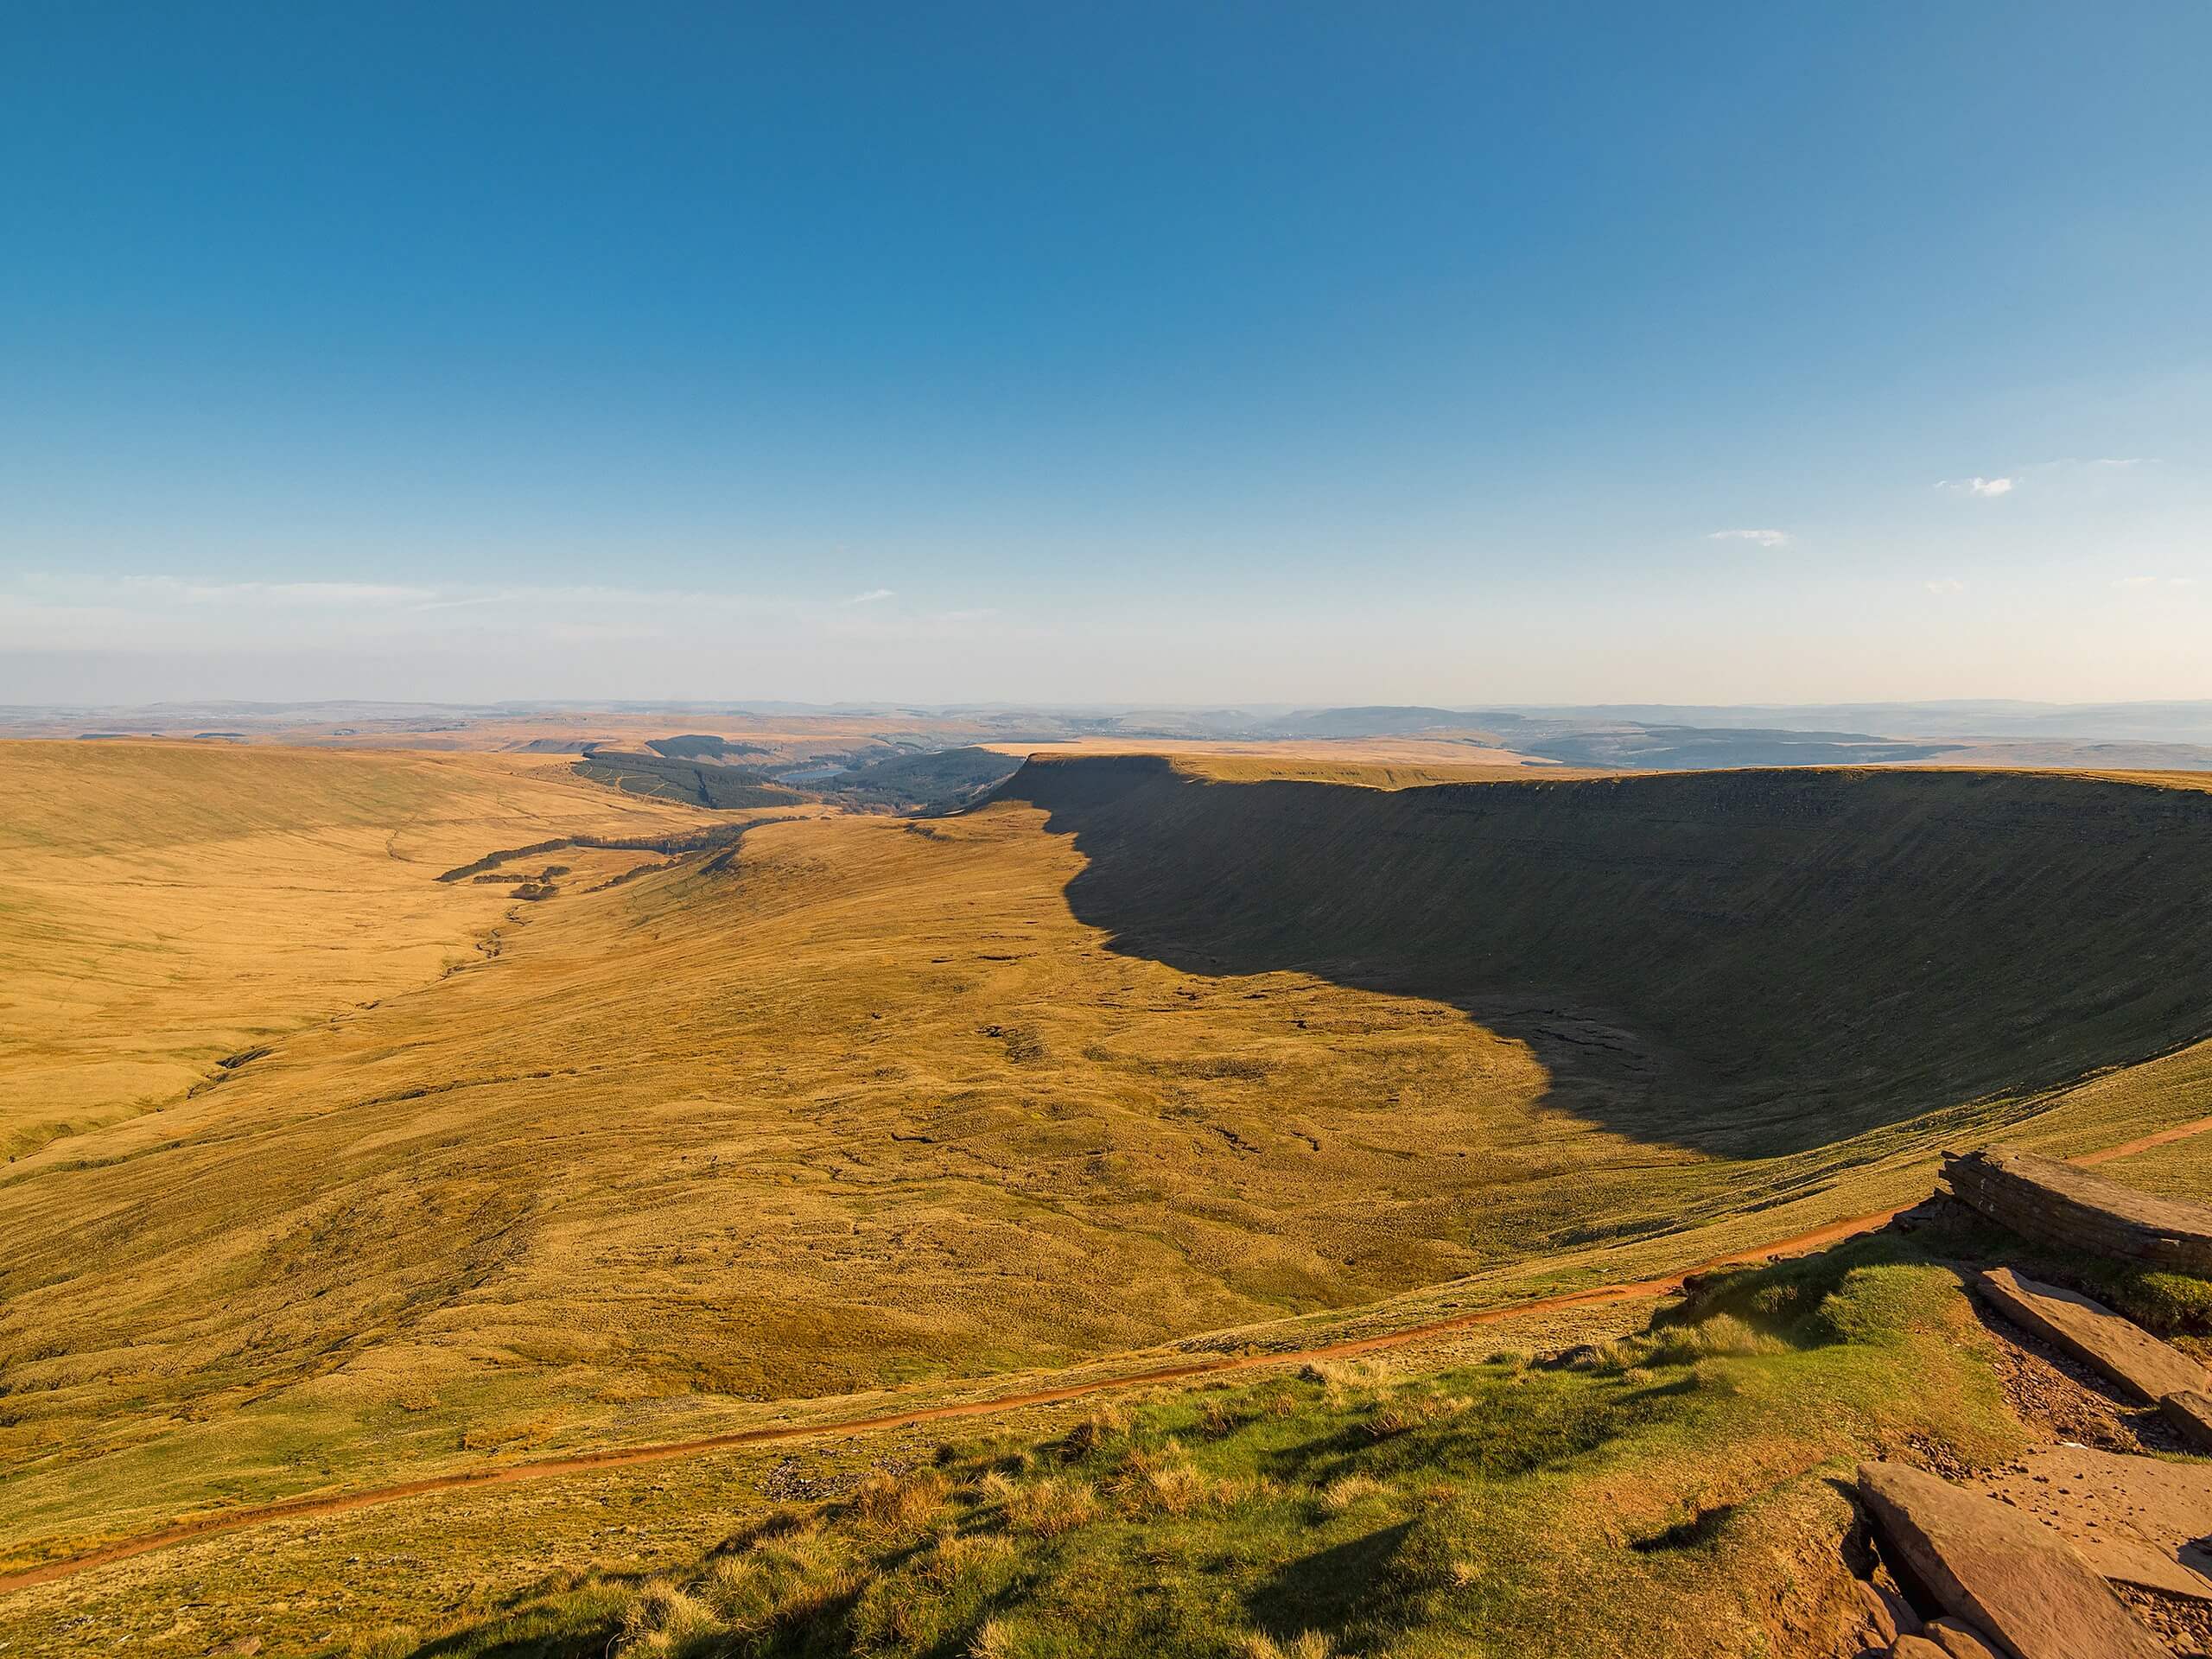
column 696, row 783
column 1666, row 1502
column 162, row 907
column 1669, row 1499
column 2181, row 1170
column 870, row 1105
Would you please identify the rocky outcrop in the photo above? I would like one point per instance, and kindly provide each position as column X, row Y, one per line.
column 2057, row 1204
column 2093, row 1334
column 1997, row 1570
column 1888, row 1615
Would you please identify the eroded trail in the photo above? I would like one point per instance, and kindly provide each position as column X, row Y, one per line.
column 1598, row 1295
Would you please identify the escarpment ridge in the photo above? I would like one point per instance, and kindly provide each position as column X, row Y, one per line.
column 1817, row 951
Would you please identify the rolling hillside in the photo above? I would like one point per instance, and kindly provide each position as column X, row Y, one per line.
column 865, row 1108
column 165, row 908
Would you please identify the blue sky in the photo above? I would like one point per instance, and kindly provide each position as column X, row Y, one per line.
column 1403, row 353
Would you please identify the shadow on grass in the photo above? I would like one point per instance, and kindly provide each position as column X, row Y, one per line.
column 1330, row 1588
column 1695, row 1533
column 1497, row 1435
column 1747, row 963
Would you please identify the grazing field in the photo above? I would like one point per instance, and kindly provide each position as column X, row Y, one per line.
column 869, row 1110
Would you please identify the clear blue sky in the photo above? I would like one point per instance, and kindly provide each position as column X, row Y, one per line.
column 1448, row 353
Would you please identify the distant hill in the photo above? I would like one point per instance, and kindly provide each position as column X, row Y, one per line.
column 695, row 746
column 1694, row 748
column 1371, row 722
column 713, row 784
column 937, row 782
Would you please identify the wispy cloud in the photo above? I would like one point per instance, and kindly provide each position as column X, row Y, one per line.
column 459, row 603
column 2042, row 472
column 1945, row 585
column 36, row 607
column 170, row 589
column 1762, row 537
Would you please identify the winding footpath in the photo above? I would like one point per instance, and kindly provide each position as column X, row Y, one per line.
column 621, row 1457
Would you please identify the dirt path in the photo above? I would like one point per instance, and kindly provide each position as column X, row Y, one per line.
column 615, row 1457
column 2127, row 1148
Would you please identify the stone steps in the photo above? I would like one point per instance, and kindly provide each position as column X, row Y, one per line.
column 2058, row 1203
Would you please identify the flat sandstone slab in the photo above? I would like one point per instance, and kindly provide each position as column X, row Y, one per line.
column 2000, row 1571
column 2092, row 1333
column 2042, row 1198
column 2137, row 1519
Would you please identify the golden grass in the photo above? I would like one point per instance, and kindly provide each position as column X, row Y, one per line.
column 722, row 1529
column 865, row 1105
column 890, row 1114
column 165, row 906
column 1454, row 1508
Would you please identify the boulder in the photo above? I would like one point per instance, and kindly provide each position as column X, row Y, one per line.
column 1998, row 1571
column 2191, row 1412
column 1888, row 1613
column 1914, row 1647
column 1958, row 1640
column 2092, row 1333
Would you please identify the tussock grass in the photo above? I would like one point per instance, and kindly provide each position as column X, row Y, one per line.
column 897, row 1504
column 1306, row 1644
column 1345, row 1490
column 1547, row 1512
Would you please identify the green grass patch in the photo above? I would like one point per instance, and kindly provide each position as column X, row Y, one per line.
column 1618, row 1499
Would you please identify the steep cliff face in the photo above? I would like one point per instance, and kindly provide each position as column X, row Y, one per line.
column 1825, row 950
